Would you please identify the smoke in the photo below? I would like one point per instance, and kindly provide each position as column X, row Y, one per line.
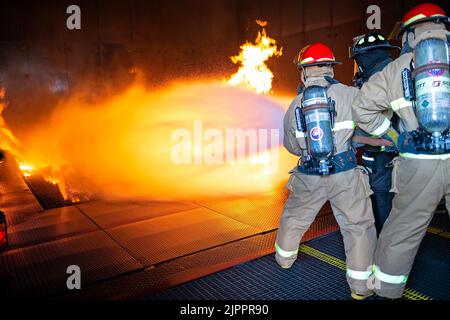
column 165, row 144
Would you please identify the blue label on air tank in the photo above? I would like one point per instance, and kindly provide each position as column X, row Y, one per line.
column 436, row 72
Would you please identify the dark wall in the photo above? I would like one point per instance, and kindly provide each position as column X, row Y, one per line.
column 157, row 41
column 161, row 40
column 296, row 23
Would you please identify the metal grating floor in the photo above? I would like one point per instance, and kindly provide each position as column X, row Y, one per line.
column 19, row 206
column 430, row 275
column 47, row 194
column 127, row 248
column 49, row 225
column 431, row 271
column 314, row 278
column 109, row 214
column 193, row 266
column 137, row 249
column 262, row 279
column 252, row 211
column 171, row 236
column 40, row 270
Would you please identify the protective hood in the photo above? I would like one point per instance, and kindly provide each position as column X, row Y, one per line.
column 373, row 61
column 423, row 31
column 315, row 75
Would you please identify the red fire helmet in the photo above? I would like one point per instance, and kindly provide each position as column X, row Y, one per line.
column 314, row 55
column 422, row 13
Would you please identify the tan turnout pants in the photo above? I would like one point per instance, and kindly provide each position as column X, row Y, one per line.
column 349, row 194
column 419, row 186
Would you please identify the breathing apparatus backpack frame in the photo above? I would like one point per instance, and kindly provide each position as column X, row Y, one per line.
column 426, row 139
column 316, row 119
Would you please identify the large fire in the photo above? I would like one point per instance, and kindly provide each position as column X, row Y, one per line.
column 8, row 141
column 253, row 72
column 181, row 142
column 186, row 141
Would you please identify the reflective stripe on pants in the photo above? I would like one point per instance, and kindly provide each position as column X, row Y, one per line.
column 285, row 254
column 355, row 218
column 359, row 275
column 421, row 184
column 389, row 278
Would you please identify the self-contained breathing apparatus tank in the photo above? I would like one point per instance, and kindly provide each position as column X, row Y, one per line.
column 430, row 94
column 316, row 120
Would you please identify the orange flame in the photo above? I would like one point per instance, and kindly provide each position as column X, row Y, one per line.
column 127, row 152
column 26, row 168
column 253, row 72
column 122, row 147
column 9, row 143
column 261, row 23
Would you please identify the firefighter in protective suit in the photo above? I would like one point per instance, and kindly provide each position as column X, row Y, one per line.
column 318, row 128
column 416, row 87
column 372, row 52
